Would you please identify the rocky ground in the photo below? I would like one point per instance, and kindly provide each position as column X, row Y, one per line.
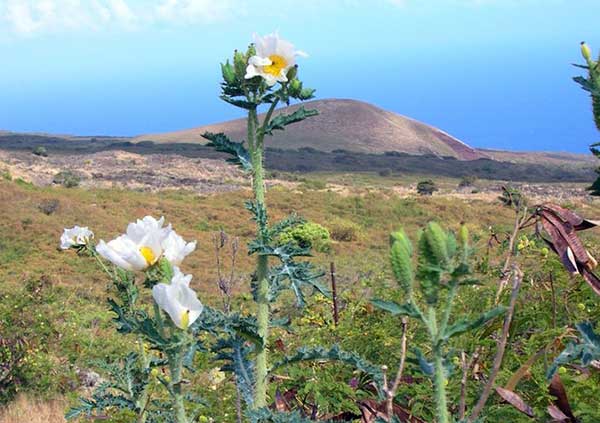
column 120, row 169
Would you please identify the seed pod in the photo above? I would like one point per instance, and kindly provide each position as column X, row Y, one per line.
column 436, row 240
column 401, row 260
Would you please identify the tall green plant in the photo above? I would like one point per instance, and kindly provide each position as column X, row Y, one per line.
column 430, row 291
column 591, row 84
column 265, row 74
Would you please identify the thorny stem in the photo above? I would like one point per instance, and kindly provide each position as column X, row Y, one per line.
column 262, row 265
column 440, row 387
column 517, row 279
column 175, row 367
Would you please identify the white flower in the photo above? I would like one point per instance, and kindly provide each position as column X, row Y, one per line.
column 176, row 249
column 144, row 243
column 274, row 57
column 75, row 237
column 140, row 247
column 178, row 300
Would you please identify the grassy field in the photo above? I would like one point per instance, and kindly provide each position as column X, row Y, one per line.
column 55, row 301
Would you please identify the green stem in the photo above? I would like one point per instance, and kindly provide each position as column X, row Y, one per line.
column 449, row 304
column 176, row 365
column 262, row 265
column 439, row 378
column 159, row 320
column 440, row 388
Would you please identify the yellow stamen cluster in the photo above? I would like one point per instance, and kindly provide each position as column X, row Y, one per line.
column 278, row 63
column 185, row 319
column 148, row 255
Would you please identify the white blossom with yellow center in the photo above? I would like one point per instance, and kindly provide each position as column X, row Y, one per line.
column 144, row 243
column 178, row 300
column 274, row 58
column 76, row 236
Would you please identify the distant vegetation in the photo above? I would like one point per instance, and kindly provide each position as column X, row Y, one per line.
column 311, row 160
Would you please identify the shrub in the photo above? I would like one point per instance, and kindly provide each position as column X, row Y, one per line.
column 344, row 230
column 467, row 181
column 385, row 172
column 6, row 176
column 307, row 235
column 40, row 151
column 48, row 207
column 67, row 179
column 426, row 187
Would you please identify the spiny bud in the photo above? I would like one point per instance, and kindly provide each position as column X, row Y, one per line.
column 295, row 87
column 436, row 240
column 307, row 94
column 401, row 260
column 292, row 73
column 400, row 236
column 586, row 52
column 228, row 72
column 239, row 63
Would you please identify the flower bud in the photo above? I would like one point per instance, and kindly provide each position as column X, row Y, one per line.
column 228, row 72
column 307, row 94
column 436, row 240
column 586, row 52
column 292, row 73
column 240, row 61
column 295, row 87
column 401, row 260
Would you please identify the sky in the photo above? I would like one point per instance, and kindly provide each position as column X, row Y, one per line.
column 493, row 73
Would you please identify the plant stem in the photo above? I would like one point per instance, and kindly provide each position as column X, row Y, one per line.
column 176, row 364
column 262, row 264
column 439, row 377
column 440, row 388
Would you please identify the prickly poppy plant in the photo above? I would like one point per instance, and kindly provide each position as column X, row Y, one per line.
column 149, row 381
column 442, row 268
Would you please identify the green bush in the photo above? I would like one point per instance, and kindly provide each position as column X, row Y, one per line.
column 67, row 179
column 467, row 181
column 40, row 151
column 344, row 230
column 308, row 235
column 426, row 187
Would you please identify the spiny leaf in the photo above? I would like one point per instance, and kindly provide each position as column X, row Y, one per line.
column 223, row 144
column 397, row 309
column 279, row 122
column 463, row 325
column 335, row 354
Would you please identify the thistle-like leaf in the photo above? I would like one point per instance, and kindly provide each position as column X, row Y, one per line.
column 223, row 144
column 463, row 325
column 334, row 354
column 397, row 309
column 279, row 122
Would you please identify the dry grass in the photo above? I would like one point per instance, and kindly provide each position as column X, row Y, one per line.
column 28, row 410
